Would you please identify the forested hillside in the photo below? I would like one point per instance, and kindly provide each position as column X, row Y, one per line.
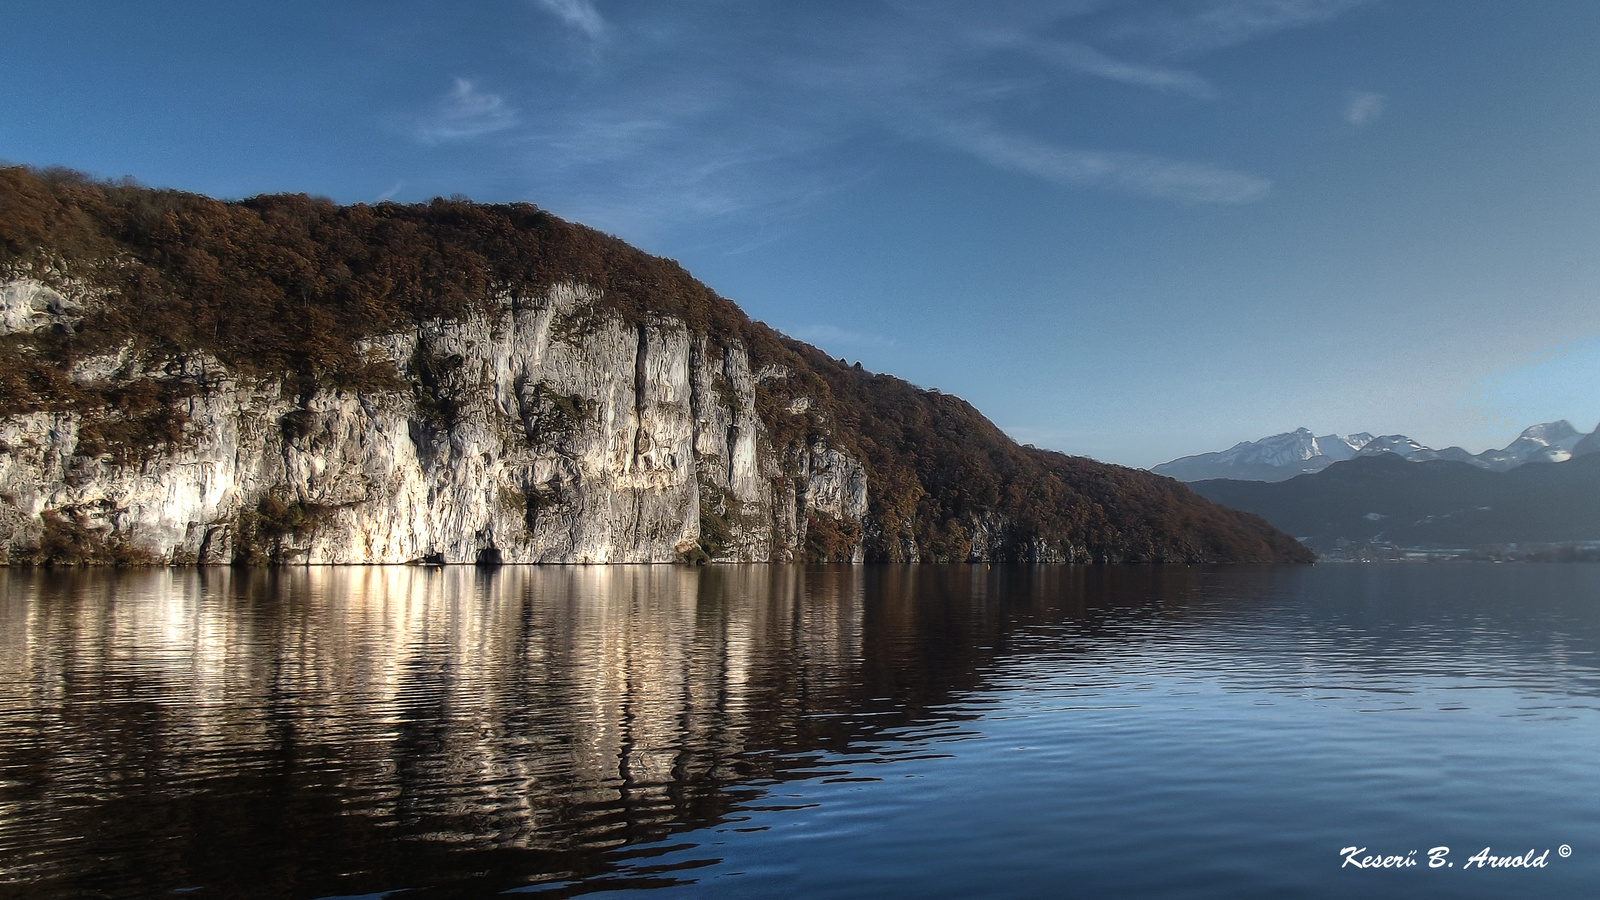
column 295, row 291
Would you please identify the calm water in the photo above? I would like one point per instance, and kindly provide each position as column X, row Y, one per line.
column 782, row 731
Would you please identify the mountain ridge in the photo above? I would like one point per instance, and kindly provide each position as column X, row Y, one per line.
column 282, row 379
column 1284, row 456
column 1439, row 504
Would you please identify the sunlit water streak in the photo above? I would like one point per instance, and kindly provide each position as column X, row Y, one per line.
column 763, row 731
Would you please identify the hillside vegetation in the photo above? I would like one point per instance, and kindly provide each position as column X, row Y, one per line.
column 287, row 287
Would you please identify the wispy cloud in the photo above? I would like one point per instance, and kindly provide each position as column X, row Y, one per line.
column 701, row 111
column 466, row 112
column 1086, row 59
column 1363, row 107
column 649, row 120
column 1136, row 173
column 578, row 14
column 1192, row 28
column 647, row 160
column 829, row 336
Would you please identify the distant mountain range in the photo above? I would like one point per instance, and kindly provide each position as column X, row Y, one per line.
column 1283, row 456
column 1384, row 499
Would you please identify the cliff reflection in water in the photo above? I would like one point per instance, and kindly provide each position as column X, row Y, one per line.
column 321, row 731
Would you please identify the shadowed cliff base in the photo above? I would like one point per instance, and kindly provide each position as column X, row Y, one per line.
column 285, row 380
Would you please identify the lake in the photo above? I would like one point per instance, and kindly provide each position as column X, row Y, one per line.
column 825, row 731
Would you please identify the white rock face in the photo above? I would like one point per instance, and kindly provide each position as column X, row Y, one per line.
column 26, row 305
column 539, row 432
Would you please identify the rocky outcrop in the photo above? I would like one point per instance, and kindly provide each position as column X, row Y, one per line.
column 27, row 305
column 539, row 429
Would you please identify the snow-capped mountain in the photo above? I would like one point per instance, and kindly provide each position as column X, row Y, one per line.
column 1395, row 443
column 1408, row 449
column 1269, row 459
column 1299, row 452
column 1551, row 442
column 1589, row 443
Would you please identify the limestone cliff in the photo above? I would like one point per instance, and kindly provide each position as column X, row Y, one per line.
column 285, row 380
column 525, row 438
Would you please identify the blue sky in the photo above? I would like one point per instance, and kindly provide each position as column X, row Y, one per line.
column 1129, row 230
